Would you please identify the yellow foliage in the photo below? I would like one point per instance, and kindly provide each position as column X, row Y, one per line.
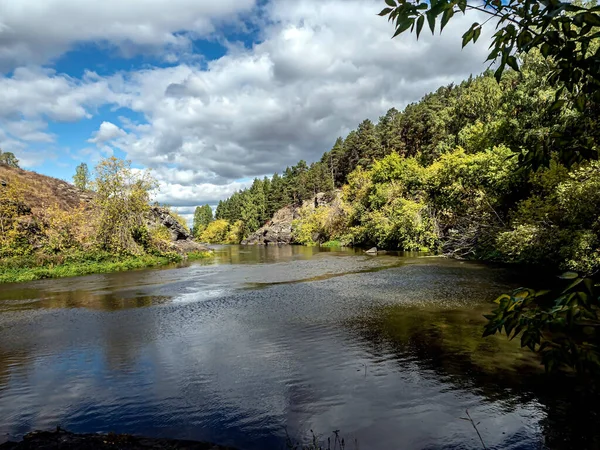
column 216, row 232
column 12, row 239
column 122, row 202
column 66, row 230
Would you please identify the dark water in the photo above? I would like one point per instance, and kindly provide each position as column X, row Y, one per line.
column 262, row 342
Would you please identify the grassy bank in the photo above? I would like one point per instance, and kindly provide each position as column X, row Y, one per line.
column 21, row 269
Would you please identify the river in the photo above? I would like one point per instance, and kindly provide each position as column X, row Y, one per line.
column 259, row 343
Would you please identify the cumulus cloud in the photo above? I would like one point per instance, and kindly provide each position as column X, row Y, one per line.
column 107, row 132
column 319, row 69
column 33, row 31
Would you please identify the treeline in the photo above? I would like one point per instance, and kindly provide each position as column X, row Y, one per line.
column 443, row 175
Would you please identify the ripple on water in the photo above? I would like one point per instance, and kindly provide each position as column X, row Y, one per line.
column 388, row 350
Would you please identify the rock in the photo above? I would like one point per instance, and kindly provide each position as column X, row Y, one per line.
column 276, row 231
column 181, row 239
column 63, row 440
column 371, row 251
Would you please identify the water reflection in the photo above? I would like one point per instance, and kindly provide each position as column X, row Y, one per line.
column 386, row 349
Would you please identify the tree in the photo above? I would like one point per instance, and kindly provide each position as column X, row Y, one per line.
column 561, row 325
column 81, row 179
column 565, row 33
column 122, row 201
column 9, row 159
column 203, row 216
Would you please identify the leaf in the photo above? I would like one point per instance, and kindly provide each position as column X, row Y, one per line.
column 467, row 37
column 431, row 20
column 558, row 104
column 385, row 12
column 568, row 276
column 545, row 49
column 420, row 22
column 391, row 3
column 512, row 62
column 446, row 17
column 592, row 19
column 476, row 33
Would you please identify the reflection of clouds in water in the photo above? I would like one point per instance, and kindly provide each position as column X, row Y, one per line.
column 198, row 296
column 238, row 366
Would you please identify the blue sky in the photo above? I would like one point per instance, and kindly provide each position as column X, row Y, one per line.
column 206, row 94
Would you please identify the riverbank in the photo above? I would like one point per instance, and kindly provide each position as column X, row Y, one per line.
column 63, row 440
column 23, row 269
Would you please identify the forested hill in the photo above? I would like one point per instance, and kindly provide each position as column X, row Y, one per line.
column 442, row 175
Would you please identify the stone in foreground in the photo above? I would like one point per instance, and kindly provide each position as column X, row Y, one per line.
column 63, row 440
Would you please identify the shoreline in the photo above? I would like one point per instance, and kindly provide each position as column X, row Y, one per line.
column 91, row 266
column 65, row 440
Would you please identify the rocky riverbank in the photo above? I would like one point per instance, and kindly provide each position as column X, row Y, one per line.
column 63, row 440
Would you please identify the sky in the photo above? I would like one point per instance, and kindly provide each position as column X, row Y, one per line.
column 207, row 94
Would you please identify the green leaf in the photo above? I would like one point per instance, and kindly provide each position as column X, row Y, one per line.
column 391, row 3
column 431, row 20
column 476, row 34
column 580, row 102
column 592, row 19
column 385, row 12
column 545, row 49
column 446, row 17
column 512, row 62
column 558, row 104
column 467, row 37
column 569, row 276
column 420, row 22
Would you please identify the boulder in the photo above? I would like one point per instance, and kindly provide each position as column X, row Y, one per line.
column 371, row 251
column 276, row 231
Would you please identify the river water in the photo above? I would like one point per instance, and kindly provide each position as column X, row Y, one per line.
column 263, row 343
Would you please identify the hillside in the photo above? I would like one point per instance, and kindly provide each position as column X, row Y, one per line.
column 51, row 228
column 451, row 174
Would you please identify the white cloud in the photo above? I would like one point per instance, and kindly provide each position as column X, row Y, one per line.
column 33, row 31
column 321, row 67
column 107, row 132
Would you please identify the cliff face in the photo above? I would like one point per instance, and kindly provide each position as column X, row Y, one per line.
column 278, row 230
column 42, row 192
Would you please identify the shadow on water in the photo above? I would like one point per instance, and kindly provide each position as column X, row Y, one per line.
column 236, row 350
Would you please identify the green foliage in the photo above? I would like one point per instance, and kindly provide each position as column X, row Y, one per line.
column 203, row 216
column 562, row 325
column 122, row 203
column 565, row 34
column 81, row 179
column 41, row 266
column 9, row 159
column 13, row 238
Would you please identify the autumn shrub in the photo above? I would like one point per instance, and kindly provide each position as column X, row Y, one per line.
column 216, row 232
column 13, row 237
column 122, row 204
column 66, row 231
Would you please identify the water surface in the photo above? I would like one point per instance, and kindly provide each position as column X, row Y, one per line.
column 263, row 342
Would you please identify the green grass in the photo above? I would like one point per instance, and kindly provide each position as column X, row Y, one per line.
column 17, row 270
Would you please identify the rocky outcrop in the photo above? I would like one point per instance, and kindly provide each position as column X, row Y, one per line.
column 278, row 230
column 181, row 239
column 43, row 191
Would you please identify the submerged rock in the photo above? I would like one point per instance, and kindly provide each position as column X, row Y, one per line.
column 371, row 251
column 63, row 440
